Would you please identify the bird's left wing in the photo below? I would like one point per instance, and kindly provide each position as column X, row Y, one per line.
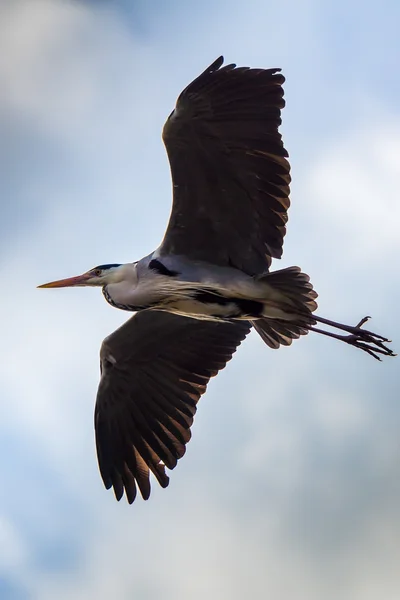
column 229, row 169
column 153, row 371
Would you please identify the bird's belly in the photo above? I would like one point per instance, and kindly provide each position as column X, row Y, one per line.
column 210, row 304
column 203, row 310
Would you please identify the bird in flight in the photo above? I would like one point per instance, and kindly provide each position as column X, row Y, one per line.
column 208, row 284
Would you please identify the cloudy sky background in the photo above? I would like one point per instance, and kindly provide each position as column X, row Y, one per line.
column 291, row 484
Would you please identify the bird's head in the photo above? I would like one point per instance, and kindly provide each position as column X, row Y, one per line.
column 99, row 276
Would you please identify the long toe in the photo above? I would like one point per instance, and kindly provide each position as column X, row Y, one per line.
column 368, row 341
column 371, row 349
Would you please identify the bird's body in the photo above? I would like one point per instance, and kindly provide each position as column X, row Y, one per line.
column 203, row 291
column 199, row 294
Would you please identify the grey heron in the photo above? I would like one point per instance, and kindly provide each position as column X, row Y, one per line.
column 199, row 294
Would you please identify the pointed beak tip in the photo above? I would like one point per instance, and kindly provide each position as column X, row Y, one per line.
column 53, row 284
column 61, row 283
column 46, row 285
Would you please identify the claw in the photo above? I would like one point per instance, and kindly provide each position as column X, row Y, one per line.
column 370, row 342
column 364, row 320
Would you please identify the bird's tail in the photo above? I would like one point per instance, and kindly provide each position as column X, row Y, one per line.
column 293, row 310
column 290, row 314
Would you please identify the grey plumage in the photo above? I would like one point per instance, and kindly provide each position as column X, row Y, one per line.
column 208, row 283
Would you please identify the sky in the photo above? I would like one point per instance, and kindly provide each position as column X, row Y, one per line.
column 290, row 486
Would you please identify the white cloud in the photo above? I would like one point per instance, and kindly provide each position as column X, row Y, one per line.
column 13, row 550
column 286, row 489
column 353, row 185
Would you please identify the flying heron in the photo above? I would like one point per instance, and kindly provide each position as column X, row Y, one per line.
column 199, row 294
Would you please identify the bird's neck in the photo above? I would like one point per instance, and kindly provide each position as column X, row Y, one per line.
column 114, row 301
column 137, row 290
column 120, row 291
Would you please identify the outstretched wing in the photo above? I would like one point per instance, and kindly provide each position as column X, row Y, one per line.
column 229, row 171
column 153, row 371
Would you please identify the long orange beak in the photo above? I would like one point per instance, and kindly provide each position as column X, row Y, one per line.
column 72, row 281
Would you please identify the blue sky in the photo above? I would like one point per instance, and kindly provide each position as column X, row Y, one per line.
column 290, row 485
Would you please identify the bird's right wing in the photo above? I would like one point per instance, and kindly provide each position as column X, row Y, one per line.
column 153, row 371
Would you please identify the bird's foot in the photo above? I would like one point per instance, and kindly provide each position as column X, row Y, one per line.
column 370, row 342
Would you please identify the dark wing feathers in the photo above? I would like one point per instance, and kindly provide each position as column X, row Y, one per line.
column 229, row 169
column 153, row 371
column 231, row 187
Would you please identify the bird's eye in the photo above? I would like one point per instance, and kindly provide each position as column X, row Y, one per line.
column 97, row 272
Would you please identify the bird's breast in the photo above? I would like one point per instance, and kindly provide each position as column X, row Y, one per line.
column 128, row 296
